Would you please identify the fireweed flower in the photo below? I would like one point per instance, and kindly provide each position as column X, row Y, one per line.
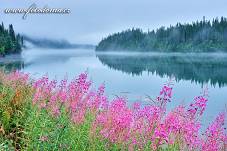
column 215, row 137
column 166, row 92
column 116, row 121
column 63, row 93
column 164, row 96
column 132, row 127
column 198, row 106
column 15, row 79
column 136, row 106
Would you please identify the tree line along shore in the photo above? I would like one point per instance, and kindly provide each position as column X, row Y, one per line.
column 199, row 36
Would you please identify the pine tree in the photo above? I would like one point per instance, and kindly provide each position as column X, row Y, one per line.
column 9, row 41
column 12, row 33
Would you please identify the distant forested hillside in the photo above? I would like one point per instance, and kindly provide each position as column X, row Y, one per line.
column 199, row 36
column 10, row 42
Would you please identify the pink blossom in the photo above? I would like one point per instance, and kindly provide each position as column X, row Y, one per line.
column 215, row 137
column 116, row 122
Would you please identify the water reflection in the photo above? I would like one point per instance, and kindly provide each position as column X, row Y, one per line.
column 11, row 66
column 201, row 68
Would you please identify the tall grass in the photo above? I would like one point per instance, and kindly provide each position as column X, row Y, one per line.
column 61, row 115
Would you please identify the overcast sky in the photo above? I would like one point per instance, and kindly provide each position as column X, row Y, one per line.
column 91, row 20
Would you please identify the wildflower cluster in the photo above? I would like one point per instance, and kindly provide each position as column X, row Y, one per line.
column 114, row 123
column 76, row 97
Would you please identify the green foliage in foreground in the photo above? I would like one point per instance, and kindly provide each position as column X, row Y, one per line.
column 47, row 133
column 24, row 126
column 42, row 115
column 199, row 36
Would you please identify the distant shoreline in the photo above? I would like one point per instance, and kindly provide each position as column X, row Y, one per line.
column 183, row 51
column 157, row 53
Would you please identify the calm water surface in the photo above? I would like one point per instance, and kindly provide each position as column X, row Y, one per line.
column 135, row 75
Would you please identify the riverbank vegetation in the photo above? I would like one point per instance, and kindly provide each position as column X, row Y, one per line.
column 10, row 42
column 199, row 36
column 72, row 115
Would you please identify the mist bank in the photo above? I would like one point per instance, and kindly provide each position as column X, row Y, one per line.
column 55, row 44
column 199, row 36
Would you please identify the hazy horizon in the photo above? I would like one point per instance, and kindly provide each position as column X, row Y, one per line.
column 90, row 21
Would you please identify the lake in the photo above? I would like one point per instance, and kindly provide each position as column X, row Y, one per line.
column 134, row 75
